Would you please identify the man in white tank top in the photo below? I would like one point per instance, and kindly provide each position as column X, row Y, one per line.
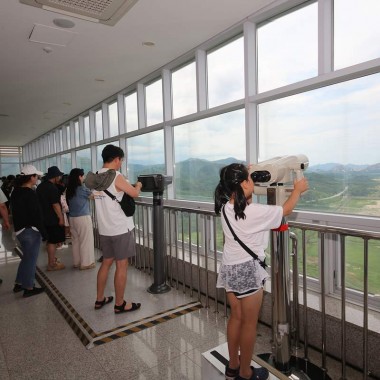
column 116, row 230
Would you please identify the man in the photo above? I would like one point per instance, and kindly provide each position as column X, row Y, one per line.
column 50, row 201
column 4, row 214
column 116, row 230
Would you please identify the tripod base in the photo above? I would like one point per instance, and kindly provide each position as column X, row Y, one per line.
column 158, row 289
column 298, row 368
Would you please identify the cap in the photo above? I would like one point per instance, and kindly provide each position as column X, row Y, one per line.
column 30, row 170
column 53, row 172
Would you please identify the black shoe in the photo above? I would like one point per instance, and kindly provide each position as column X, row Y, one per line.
column 17, row 288
column 32, row 292
column 100, row 260
column 260, row 373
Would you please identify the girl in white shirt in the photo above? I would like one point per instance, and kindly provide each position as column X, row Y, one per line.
column 240, row 274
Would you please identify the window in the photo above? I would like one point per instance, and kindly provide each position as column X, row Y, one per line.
column 154, row 106
column 99, row 125
column 66, row 163
column 311, row 123
column 113, row 119
column 60, row 140
column 288, row 48
column 76, row 131
column 131, row 114
column 184, row 88
column 356, row 31
column 68, row 136
column 202, row 148
column 225, row 73
column 86, row 123
column 84, row 159
column 145, row 155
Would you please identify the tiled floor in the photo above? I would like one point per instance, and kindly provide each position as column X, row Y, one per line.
column 36, row 342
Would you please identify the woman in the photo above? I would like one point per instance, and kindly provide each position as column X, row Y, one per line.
column 82, row 236
column 28, row 226
column 241, row 274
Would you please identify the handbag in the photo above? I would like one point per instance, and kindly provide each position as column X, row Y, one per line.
column 127, row 203
column 253, row 254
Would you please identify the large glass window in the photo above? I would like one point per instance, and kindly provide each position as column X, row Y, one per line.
column 68, row 137
column 131, row 115
column 145, row 155
column 84, row 159
column 113, row 119
column 287, row 48
column 76, row 132
column 154, row 105
column 66, row 163
column 356, row 31
column 184, row 88
column 225, row 73
column 202, row 148
column 99, row 125
column 337, row 128
column 86, row 123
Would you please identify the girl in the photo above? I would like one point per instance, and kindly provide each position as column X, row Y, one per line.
column 240, row 274
column 82, row 236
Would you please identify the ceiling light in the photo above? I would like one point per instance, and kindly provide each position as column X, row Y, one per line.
column 99, row 80
column 63, row 23
column 148, row 43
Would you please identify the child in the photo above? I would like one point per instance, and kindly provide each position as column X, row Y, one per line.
column 240, row 274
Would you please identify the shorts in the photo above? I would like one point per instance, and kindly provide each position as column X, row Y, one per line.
column 56, row 234
column 243, row 279
column 119, row 247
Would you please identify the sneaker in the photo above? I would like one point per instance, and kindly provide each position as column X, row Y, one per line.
column 260, row 373
column 56, row 266
column 88, row 266
column 17, row 288
column 32, row 292
column 231, row 373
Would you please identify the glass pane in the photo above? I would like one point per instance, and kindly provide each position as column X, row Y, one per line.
column 84, row 159
column 153, row 99
column 9, row 169
column 86, row 122
column 113, row 119
column 98, row 125
column 43, row 166
column 145, row 155
column 337, row 128
column 225, row 73
column 76, row 131
column 60, row 140
column 184, row 88
column 52, row 161
column 99, row 148
column 356, row 31
column 68, row 136
column 131, row 115
column 287, row 48
column 66, row 163
column 202, row 148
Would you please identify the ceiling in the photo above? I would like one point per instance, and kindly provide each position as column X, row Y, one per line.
column 43, row 84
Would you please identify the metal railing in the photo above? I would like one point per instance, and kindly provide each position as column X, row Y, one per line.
column 192, row 237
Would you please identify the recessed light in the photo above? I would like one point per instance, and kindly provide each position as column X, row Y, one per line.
column 66, row 104
column 3, row 115
column 63, row 23
column 148, row 43
column 99, row 80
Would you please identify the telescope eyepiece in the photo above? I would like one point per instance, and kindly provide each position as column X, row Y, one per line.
column 260, row 176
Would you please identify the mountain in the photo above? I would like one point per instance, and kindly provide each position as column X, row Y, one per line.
column 336, row 168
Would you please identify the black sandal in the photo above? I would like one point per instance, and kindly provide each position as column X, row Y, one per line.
column 121, row 308
column 100, row 304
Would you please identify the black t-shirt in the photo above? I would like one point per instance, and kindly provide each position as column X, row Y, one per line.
column 48, row 194
column 26, row 211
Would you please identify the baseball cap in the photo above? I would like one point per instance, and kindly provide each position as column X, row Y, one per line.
column 30, row 170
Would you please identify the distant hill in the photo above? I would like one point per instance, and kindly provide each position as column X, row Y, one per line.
column 335, row 167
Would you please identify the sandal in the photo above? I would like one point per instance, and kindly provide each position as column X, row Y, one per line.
column 121, row 308
column 100, row 304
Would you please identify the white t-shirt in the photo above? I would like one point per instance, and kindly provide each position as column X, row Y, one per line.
column 253, row 231
column 111, row 219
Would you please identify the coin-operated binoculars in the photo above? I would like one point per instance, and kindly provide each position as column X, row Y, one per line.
column 156, row 183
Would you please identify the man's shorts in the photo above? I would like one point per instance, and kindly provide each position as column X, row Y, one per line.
column 56, row 234
column 119, row 247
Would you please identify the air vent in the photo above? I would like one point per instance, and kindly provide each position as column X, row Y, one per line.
column 107, row 12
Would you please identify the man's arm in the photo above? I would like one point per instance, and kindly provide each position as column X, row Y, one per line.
column 122, row 184
column 4, row 214
column 58, row 210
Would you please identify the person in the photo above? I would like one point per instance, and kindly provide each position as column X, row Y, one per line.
column 77, row 196
column 241, row 275
column 4, row 214
column 116, row 230
column 50, row 201
column 62, row 185
column 7, row 187
column 28, row 227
